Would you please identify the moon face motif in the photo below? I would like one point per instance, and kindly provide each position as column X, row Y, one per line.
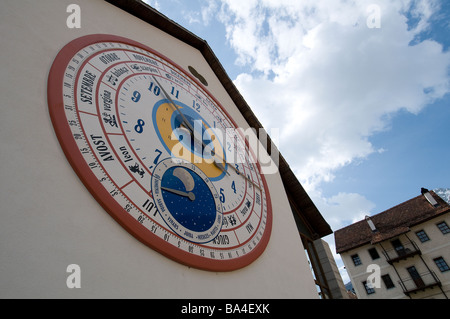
column 185, row 178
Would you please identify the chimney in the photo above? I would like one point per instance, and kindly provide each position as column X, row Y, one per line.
column 425, row 192
column 371, row 224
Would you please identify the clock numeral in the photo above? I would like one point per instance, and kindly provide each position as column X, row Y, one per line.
column 154, row 88
column 166, row 237
column 141, row 219
column 222, row 196
column 175, row 92
column 233, row 187
column 139, row 128
column 157, row 157
column 93, row 165
column 136, row 96
column 196, row 106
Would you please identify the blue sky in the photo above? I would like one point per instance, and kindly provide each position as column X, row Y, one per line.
column 362, row 96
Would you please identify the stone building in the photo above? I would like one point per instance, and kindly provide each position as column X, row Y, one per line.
column 403, row 252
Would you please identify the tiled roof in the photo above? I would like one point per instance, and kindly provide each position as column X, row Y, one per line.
column 390, row 223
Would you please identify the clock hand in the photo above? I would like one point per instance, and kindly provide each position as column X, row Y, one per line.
column 188, row 125
column 219, row 163
column 247, row 178
column 185, row 121
column 189, row 195
column 243, row 175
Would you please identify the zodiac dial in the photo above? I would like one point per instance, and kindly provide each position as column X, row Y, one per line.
column 159, row 153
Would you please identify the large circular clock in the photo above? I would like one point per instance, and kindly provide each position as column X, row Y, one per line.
column 159, row 153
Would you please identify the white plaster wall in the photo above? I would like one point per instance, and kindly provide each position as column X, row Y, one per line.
column 48, row 219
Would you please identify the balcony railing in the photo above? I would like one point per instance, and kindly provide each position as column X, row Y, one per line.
column 407, row 250
column 421, row 282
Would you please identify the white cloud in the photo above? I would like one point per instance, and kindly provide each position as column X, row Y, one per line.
column 208, row 12
column 153, row 3
column 327, row 80
column 329, row 77
column 344, row 208
column 341, row 210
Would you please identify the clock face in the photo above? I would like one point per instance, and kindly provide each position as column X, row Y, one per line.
column 159, row 153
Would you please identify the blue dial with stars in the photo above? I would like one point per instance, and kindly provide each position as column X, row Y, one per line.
column 187, row 200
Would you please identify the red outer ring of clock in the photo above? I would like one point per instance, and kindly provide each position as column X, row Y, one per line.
column 76, row 160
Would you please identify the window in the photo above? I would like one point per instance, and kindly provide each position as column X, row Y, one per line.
column 388, row 281
column 369, row 290
column 398, row 246
column 416, row 277
column 443, row 227
column 374, row 253
column 422, row 235
column 356, row 260
column 442, row 265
